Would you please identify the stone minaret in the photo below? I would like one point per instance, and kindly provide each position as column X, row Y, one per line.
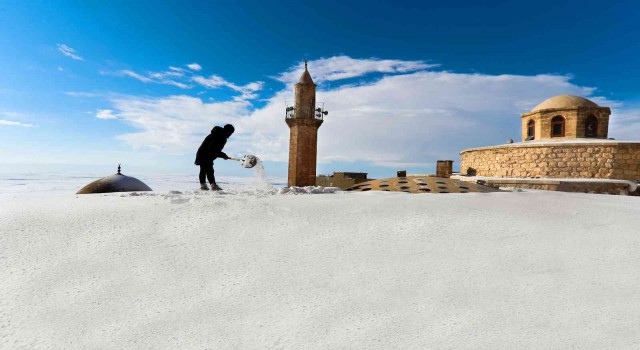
column 303, row 124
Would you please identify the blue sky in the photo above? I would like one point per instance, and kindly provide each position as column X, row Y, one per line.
column 89, row 84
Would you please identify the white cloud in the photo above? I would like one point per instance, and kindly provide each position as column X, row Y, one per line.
column 404, row 118
column 105, row 114
column 181, row 78
column 12, row 115
column 69, row 52
column 624, row 124
column 176, row 123
column 82, row 94
column 135, row 75
column 194, row 66
column 167, row 78
column 344, row 67
column 214, row 81
column 13, row 123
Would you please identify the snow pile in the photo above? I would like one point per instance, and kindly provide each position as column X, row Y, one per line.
column 194, row 270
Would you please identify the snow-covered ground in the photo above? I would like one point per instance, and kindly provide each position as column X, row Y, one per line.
column 248, row 269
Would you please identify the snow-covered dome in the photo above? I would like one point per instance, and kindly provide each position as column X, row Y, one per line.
column 564, row 101
column 115, row 183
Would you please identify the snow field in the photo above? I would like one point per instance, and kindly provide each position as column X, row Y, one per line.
column 259, row 270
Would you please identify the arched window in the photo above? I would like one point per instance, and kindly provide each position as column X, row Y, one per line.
column 591, row 126
column 557, row 126
column 531, row 130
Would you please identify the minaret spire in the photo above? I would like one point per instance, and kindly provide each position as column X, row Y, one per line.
column 303, row 135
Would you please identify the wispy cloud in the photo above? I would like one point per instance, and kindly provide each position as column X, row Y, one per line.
column 69, row 52
column 137, row 76
column 82, row 94
column 169, row 77
column 194, row 66
column 345, row 67
column 12, row 115
column 183, row 79
column 105, row 114
column 247, row 91
column 14, row 123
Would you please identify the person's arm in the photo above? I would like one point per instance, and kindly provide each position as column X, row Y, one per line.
column 223, row 155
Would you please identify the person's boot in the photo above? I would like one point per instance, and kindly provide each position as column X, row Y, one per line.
column 204, row 187
column 215, row 187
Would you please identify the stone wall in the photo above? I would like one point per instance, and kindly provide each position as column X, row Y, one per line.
column 596, row 159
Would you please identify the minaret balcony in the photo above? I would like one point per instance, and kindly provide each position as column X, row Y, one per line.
column 317, row 113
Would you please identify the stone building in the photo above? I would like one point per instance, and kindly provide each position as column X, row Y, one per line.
column 564, row 146
column 341, row 179
column 303, row 120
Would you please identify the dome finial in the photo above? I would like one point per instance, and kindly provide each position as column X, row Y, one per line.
column 305, row 64
column 118, row 168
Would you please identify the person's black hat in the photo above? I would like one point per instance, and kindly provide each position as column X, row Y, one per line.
column 229, row 129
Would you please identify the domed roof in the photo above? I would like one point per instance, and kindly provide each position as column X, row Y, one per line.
column 564, row 101
column 421, row 184
column 115, row 183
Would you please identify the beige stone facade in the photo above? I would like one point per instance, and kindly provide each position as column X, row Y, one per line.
column 575, row 123
column 604, row 159
column 573, row 117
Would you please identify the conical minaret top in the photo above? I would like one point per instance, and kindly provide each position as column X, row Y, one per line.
column 305, row 78
column 305, row 96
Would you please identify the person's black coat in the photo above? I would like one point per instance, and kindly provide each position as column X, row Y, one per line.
column 211, row 147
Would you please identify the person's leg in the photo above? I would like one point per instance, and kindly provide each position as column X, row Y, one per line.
column 212, row 179
column 210, row 175
column 202, row 177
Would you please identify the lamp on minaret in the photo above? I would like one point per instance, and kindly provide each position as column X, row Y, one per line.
column 303, row 119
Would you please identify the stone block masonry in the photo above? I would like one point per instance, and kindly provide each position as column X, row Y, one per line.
column 599, row 159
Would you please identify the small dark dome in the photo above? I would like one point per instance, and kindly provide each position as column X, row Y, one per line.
column 115, row 183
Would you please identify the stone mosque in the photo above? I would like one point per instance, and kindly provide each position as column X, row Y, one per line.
column 565, row 147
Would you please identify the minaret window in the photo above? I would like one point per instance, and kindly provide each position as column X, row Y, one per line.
column 531, row 129
column 557, row 126
column 591, row 127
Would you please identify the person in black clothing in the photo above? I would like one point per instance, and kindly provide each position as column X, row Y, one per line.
column 209, row 150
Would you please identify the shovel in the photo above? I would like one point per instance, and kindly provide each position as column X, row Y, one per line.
column 248, row 161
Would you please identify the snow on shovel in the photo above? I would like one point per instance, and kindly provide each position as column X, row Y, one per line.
column 248, row 161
